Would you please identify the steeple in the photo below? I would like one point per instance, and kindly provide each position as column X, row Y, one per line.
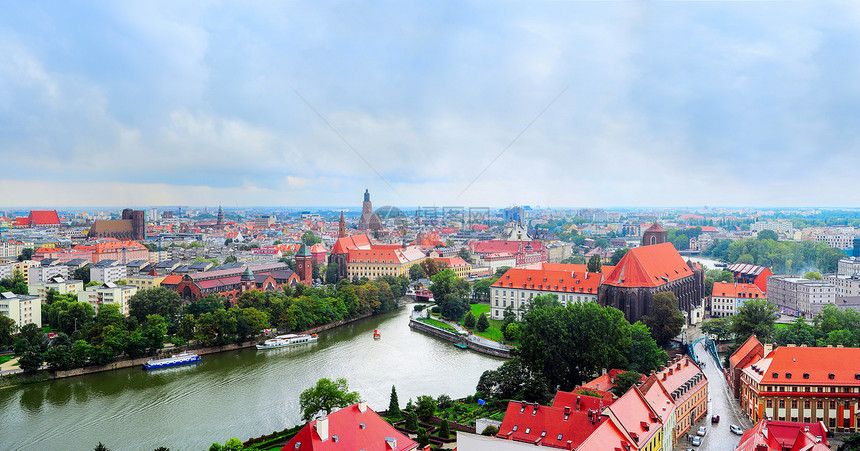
column 366, row 195
column 341, row 228
column 220, row 215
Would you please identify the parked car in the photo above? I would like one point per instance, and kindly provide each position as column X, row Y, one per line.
column 737, row 430
column 697, row 441
column 715, row 419
column 702, row 430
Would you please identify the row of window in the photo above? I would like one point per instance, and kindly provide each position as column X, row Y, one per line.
column 807, row 403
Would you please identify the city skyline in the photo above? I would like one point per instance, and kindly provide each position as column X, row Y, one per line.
column 556, row 104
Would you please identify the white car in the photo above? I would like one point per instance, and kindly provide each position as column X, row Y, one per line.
column 702, row 430
column 736, row 430
column 697, row 441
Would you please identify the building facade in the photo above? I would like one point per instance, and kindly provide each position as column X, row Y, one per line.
column 108, row 273
column 518, row 286
column 60, row 284
column 108, row 293
column 688, row 387
column 727, row 297
column 844, row 286
column 383, row 260
column 23, row 309
column 802, row 296
column 807, row 385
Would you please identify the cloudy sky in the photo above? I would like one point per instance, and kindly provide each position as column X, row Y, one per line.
column 282, row 103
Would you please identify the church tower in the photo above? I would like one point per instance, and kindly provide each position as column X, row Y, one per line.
column 247, row 279
column 367, row 206
column 220, row 216
column 304, row 265
column 654, row 235
column 341, row 228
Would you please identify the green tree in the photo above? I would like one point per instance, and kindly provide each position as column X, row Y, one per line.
column 411, row 421
column 416, row 272
column 31, row 359
column 423, row 438
column 430, row 267
column 514, row 380
column 644, row 356
column 444, row 429
column 26, row 254
column 568, row 344
column 80, row 353
column 425, row 407
column 187, row 326
column 470, row 320
column 483, row 323
column 82, row 274
column 594, row 263
column 490, row 431
column 393, row 404
column 465, row 255
column 326, row 396
column 618, row 255
column 812, row 275
column 155, row 301
column 34, row 336
column 451, row 294
column 755, row 316
column 233, row 444
column 665, row 320
column 101, row 447
column 510, row 332
column 8, row 328
column 719, row 328
column 153, row 332
column 331, row 271
column 767, row 235
column 624, row 381
column 501, row 271
column 310, row 239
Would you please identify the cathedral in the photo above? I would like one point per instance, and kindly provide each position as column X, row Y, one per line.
column 369, row 220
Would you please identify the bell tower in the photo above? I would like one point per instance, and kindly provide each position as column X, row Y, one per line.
column 341, row 228
column 304, row 265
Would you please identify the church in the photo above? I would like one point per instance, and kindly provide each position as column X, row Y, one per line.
column 369, row 220
column 653, row 268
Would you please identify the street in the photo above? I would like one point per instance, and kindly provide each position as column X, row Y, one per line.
column 720, row 402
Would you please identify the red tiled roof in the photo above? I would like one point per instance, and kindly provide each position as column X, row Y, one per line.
column 452, row 262
column 606, row 381
column 568, row 399
column 737, row 290
column 681, row 375
column 553, row 281
column 22, row 222
column 318, row 248
column 780, row 435
column 355, row 430
column 172, row 279
column 649, row 266
column 605, row 269
column 345, row 244
column 748, row 346
column 543, row 425
column 44, row 217
column 515, row 247
column 655, row 228
column 608, row 436
column 636, row 416
column 387, row 254
column 818, row 363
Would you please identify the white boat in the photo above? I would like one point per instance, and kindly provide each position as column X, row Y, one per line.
column 287, row 340
column 178, row 359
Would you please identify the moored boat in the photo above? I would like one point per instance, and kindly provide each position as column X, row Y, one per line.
column 178, row 359
column 287, row 340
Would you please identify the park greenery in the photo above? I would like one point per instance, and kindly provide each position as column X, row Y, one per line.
column 325, row 397
column 158, row 315
column 665, row 320
column 782, row 257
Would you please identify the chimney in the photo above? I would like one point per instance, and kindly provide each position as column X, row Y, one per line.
column 768, row 348
column 362, row 406
column 577, row 402
column 322, row 428
column 670, row 371
column 678, row 366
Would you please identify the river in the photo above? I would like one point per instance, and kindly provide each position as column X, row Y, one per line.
column 242, row 394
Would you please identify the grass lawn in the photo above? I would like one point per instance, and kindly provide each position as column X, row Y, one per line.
column 477, row 309
column 495, row 331
column 438, row 324
column 5, row 358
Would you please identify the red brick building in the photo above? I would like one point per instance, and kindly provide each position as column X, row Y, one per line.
column 230, row 283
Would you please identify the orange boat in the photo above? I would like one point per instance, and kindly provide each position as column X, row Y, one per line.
column 376, row 334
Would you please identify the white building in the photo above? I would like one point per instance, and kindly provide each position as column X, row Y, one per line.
column 108, row 273
column 9, row 268
column 108, row 293
column 518, row 286
column 803, row 296
column 845, row 285
column 22, row 309
column 777, row 226
column 848, row 266
column 728, row 297
column 60, row 284
column 40, row 274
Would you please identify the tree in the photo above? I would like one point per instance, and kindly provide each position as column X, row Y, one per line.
column 423, row 438
column 26, row 254
column 812, row 275
column 155, row 301
column 594, row 263
column 331, row 271
column 393, row 404
column 618, row 255
column 767, row 235
column 80, row 353
column 411, row 421
column 624, row 381
column 444, row 429
column 568, row 344
column 501, row 271
column 153, row 332
column 82, row 274
column 310, row 239
column 644, row 355
column 514, row 380
column 465, row 255
column 756, row 316
column 470, row 320
column 719, row 328
column 101, row 447
column 326, row 396
column 34, row 337
column 451, row 294
column 8, row 328
column 430, row 267
column 483, row 323
column 490, row 431
column 665, row 320
column 425, row 407
column 510, row 331
column 416, row 272
column 31, row 359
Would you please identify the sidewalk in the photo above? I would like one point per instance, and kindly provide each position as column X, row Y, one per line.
column 471, row 337
column 10, row 367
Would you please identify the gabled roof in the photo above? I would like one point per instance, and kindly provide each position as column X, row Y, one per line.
column 387, row 254
column 738, row 290
column 607, row 381
column 607, row 437
column 452, row 262
column 303, row 251
column 780, row 435
column 750, row 345
column 44, row 217
column 345, row 244
column 552, row 281
column 808, row 366
column 655, row 228
column 658, row 397
column 604, row 269
column 351, row 428
column 649, row 266
column 548, row 426
column 636, row 416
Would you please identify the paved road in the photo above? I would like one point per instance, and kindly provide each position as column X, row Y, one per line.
column 720, row 402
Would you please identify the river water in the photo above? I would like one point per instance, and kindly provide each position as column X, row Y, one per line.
column 242, row 394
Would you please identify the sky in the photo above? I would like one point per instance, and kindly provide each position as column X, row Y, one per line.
column 460, row 103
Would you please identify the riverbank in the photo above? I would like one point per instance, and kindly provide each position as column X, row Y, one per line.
column 505, row 352
column 12, row 380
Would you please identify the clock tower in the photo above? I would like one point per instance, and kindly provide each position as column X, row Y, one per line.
column 304, row 265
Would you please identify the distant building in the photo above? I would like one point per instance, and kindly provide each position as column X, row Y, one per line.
column 108, row 293
column 728, row 297
column 340, row 251
column 231, row 283
column 107, row 271
column 785, row 227
column 518, row 286
column 460, row 267
column 132, row 226
column 848, row 266
column 264, row 222
column 515, row 214
column 802, row 296
column 754, row 274
column 383, row 260
column 369, row 220
column 845, row 286
column 43, row 273
column 654, row 235
column 687, row 385
column 23, row 309
column 525, row 252
column 38, row 218
column 60, row 284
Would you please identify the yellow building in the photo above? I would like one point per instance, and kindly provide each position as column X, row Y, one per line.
column 382, row 260
column 145, row 282
column 58, row 283
column 460, row 267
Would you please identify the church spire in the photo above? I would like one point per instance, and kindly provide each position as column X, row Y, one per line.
column 341, row 228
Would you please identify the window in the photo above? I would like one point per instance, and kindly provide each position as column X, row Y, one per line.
column 820, row 405
column 781, row 403
column 770, row 403
column 832, row 404
column 516, row 427
column 794, row 405
column 806, row 404
column 528, row 430
column 833, row 422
